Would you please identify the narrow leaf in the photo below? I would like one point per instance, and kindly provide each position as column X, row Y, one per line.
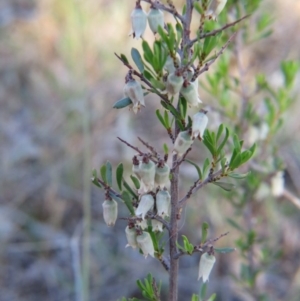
column 103, row 173
column 196, row 166
column 238, row 175
column 225, row 186
column 137, row 59
column 124, row 58
column 122, row 103
column 119, row 175
column 128, row 202
column 135, row 181
column 235, row 224
column 205, row 228
column 126, row 185
column 160, row 118
column 224, row 250
column 109, row 173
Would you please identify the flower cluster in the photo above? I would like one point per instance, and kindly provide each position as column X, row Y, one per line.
column 139, row 19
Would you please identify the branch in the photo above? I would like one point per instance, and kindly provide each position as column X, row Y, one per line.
column 207, row 65
column 133, row 147
column 108, row 188
column 194, row 188
column 207, row 246
column 171, row 10
column 141, row 76
column 165, row 263
column 151, row 148
column 216, row 31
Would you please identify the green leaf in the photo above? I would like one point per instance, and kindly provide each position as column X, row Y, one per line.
column 126, row 185
column 212, row 297
column 205, row 228
column 148, row 75
column 203, row 291
column 225, row 186
column 236, row 162
column 148, row 54
column 166, row 149
column 166, row 119
column 122, row 103
column 196, row 166
column 220, row 131
column 224, row 250
column 183, row 107
column 160, row 118
column 128, row 202
column 109, row 173
column 119, row 175
column 235, row 224
column 221, row 146
column 124, row 58
column 209, row 145
column 198, row 7
column 206, row 165
column 136, row 182
column 103, row 173
column 157, row 84
column 238, row 175
column 137, row 59
column 94, row 178
column 236, row 143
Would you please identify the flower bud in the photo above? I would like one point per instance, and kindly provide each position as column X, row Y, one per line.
column 134, row 91
column 157, row 226
column 200, row 121
column 131, row 237
column 147, row 174
column 215, row 7
column 162, row 175
column 174, row 83
column 110, row 212
column 205, row 266
column 163, row 200
column 169, row 64
column 190, row 93
column 182, row 143
column 155, row 19
column 146, row 204
column 139, row 22
column 145, row 244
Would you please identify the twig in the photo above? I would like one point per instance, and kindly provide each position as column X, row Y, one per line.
column 151, row 148
column 133, row 147
column 165, row 263
column 209, row 179
column 216, row 31
column 181, row 160
column 292, row 198
column 163, row 97
column 207, row 65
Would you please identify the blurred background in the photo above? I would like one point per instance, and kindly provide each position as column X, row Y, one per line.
column 59, row 79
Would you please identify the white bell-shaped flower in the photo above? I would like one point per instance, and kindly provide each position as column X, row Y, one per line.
column 110, row 212
column 131, row 237
column 200, row 121
column 147, row 174
column 157, row 226
column 174, row 83
column 143, row 224
column 163, row 200
column 205, row 266
column 145, row 244
column 155, row 19
column 182, row 143
column 190, row 92
column 139, row 22
column 162, row 173
column 146, row 203
column 169, row 64
column 134, row 91
column 215, row 7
